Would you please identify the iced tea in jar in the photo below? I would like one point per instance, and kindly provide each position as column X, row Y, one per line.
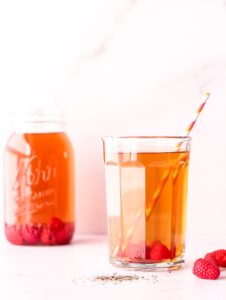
column 39, row 181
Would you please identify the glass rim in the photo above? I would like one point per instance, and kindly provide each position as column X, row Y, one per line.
column 146, row 137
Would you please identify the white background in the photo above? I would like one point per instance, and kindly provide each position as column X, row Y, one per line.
column 122, row 67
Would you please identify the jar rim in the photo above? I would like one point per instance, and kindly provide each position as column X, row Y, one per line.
column 39, row 115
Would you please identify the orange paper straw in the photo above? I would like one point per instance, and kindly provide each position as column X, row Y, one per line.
column 161, row 185
column 167, row 173
column 195, row 117
column 197, row 114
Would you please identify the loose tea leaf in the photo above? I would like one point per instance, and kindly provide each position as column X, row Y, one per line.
column 115, row 278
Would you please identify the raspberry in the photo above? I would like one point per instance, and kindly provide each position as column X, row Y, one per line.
column 211, row 257
column 159, row 251
column 64, row 234
column 205, row 269
column 220, row 256
column 147, row 252
column 13, row 234
column 55, row 233
column 47, row 236
column 30, row 234
column 56, row 224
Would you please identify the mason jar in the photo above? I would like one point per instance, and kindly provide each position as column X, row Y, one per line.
column 39, row 183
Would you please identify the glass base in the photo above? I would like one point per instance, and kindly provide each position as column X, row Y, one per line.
column 146, row 266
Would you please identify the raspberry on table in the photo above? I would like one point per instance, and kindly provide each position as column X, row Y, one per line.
column 206, row 269
column 220, row 257
column 211, row 257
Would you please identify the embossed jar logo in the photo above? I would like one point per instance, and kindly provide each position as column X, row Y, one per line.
column 33, row 187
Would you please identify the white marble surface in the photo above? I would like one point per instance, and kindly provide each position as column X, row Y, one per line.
column 67, row 272
column 123, row 67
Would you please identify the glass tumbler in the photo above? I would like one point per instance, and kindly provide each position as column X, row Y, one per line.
column 146, row 194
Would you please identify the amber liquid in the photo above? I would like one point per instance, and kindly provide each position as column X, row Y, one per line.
column 146, row 200
column 39, row 183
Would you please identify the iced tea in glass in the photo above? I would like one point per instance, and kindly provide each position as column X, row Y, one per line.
column 146, row 192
